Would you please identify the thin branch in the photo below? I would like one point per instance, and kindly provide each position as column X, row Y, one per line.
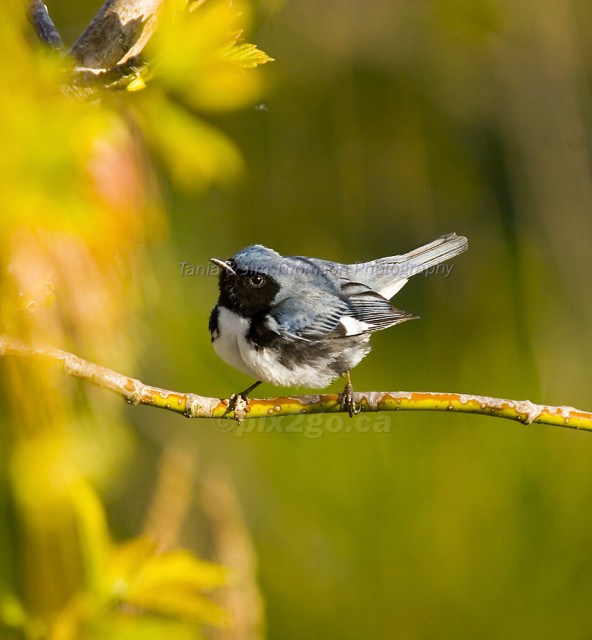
column 45, row 28
column 192, row 405
column 118, row 32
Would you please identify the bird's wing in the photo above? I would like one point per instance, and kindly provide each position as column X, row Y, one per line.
column 322, row 315
column 369, row 311
column 309, row 317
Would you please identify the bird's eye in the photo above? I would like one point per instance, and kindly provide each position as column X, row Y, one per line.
column 256, row 280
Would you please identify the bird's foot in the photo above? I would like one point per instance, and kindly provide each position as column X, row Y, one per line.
column 238, row 403
column 348, row 402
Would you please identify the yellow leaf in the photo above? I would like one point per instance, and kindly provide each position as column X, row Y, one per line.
column 137, row 84
column 180, row 568
column 170, row 584
column 248, row 55
column 197, row 56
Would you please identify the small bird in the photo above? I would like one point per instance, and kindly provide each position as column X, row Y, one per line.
column 303, row 322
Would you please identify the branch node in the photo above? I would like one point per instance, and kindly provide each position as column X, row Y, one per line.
column 200, row 407
column 72, row 365
column 531, row 411
column 134, row 397
column 192, row 406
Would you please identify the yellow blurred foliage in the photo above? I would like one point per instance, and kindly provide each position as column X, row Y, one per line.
column 79, row 202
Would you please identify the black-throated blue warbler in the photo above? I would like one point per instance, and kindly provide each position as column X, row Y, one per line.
column 303, row 322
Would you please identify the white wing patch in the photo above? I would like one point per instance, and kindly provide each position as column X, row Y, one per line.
column 352, row 326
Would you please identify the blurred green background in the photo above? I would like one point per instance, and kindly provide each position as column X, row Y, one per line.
column 384, row 125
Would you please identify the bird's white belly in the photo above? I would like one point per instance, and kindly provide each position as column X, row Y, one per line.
column 266, row 366
column 263, row 364
column 232, row 331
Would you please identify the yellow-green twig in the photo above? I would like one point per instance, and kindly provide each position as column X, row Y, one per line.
column 192, row 405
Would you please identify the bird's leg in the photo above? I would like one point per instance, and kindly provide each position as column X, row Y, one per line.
column 347, row 398
column 248, row 390
column 239, row 402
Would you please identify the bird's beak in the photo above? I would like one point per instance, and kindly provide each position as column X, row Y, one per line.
column 223, row 265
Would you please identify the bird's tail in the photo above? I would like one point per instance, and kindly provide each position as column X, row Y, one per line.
column 429, row 255
column 391, row 273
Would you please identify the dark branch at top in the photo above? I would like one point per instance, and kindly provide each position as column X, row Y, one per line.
column 44, row 26
column 118, row 32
